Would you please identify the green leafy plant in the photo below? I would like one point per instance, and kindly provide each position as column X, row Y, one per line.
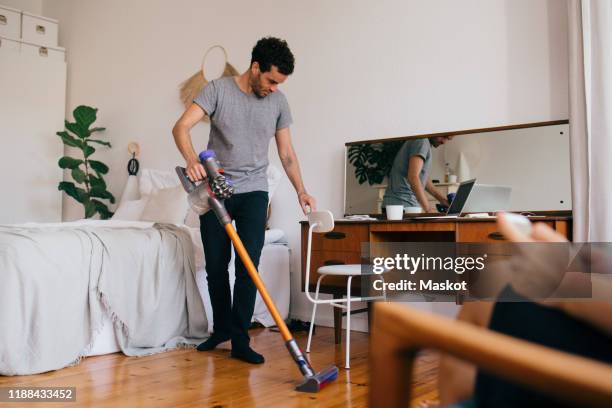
column 90, row 187
column 373, row 161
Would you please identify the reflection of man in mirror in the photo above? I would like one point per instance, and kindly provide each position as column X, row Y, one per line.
column 409, row 176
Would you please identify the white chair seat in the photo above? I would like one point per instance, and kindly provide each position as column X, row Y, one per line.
column 347, row 270
column 344, row 270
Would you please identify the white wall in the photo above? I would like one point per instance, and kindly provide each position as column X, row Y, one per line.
column 364, row 70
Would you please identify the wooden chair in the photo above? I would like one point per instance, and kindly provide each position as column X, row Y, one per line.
column 399, row 332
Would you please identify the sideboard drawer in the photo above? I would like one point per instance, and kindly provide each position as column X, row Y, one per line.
column 342, row 238
column 482, row 232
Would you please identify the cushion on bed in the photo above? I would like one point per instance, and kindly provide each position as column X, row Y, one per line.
column 274, row 178
column 131, row 191
column 163, row 198
column 275, row 236
column 130, row 210
column 167, row 205
column 152, row 180
column 192, row 219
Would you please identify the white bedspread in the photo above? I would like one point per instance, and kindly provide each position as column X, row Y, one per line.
column 57, row 280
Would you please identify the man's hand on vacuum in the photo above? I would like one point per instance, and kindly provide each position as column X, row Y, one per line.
column 306, row 200
column 195, row 170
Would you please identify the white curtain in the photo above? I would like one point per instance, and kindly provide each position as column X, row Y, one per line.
column 590, row 72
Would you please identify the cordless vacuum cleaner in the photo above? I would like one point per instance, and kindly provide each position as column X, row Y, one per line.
column 210, row 194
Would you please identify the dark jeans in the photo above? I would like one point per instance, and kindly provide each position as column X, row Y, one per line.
column 249, row 211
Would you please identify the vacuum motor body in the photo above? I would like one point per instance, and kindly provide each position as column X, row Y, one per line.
column 201, row 197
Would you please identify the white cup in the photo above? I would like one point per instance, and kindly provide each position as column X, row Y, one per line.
column 452, row 178
column 395, row 212
column 412, row 210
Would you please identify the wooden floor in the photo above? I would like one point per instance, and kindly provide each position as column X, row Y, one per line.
column 187, row 378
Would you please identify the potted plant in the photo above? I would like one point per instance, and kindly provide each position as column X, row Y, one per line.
column 89, row 187
column 373, row 161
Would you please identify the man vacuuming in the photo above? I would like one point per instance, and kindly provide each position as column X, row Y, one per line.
column 246, row 112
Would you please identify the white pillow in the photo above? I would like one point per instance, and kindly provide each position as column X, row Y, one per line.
column 274, row 235
column 131, row 191
column 130, row 210
column 274, row 177
column 192, row 219
column 168, row 205
column 153, row 180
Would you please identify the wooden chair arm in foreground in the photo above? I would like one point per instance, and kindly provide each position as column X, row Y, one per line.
column 399, row 332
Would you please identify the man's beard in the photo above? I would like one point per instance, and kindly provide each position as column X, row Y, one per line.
column 256, row 85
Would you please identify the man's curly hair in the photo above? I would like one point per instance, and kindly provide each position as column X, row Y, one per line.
column 273, row 51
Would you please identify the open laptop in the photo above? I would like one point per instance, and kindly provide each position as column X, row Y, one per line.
column 488, row 198
column 456, row 207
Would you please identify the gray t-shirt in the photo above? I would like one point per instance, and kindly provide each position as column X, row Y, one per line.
column 398, row 190
column 241, row 128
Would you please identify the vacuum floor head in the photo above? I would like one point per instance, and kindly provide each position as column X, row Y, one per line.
column 316, row 382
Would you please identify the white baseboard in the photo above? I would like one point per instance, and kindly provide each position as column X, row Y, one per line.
column 359, row 322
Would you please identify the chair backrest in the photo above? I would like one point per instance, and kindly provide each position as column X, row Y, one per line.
column 319, row 221
column 323, row 220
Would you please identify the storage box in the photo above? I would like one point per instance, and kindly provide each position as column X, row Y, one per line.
column 9, row 46
column 39, row 30
column 39, row 51
column 10, row 22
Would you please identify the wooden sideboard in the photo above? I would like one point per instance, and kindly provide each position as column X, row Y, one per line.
column 343, row 244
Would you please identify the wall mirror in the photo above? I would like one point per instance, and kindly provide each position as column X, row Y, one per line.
column 532, row 159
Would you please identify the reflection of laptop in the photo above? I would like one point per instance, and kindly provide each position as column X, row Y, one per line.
column 456, row 207
column 488, row 198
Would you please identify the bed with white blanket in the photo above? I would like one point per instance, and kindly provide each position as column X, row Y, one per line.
column 76, row 289
column 60, row 280
column 274, row 266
